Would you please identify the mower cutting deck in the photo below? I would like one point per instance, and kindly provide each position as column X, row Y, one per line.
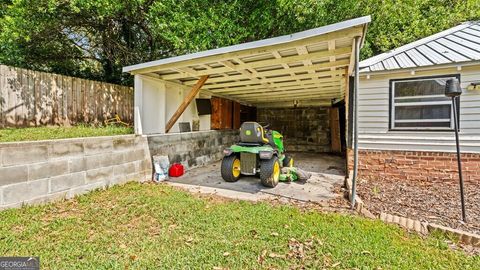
column 259, row 152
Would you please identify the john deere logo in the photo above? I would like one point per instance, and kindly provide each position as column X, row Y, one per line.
column 248, row 132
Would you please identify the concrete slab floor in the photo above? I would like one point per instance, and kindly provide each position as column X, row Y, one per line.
column 327, row 171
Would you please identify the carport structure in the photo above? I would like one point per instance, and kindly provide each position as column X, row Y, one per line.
column 309, row 68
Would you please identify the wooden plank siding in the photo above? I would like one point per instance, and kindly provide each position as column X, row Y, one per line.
column 33, row 98
column 373, row 121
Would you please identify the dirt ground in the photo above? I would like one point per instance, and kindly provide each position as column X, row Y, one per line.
column 435, row 202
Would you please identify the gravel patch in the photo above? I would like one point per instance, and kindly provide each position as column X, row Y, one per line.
column 435, row 202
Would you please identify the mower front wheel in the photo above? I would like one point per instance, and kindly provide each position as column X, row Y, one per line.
column 230, row 168
column 288, row 161
column 270, row 172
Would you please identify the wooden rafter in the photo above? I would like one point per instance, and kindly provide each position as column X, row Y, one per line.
column 295, row 97
column 290, row 105
column 325, row 90
column 185, row 103
column 316, row 68
column 274, row 85
column 252, row 74
column 329, row 91
column 302, row 50
column 232, row 80
column 267, row 63
column 264, row 103
column 295, row 87
column 331, row 47
column 277, row 55
column 259, row 89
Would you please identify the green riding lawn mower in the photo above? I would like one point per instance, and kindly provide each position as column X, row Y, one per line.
column 259, row 152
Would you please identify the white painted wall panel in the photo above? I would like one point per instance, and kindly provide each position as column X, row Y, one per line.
column 157, row 102
column 373, row 118
column 153, row 106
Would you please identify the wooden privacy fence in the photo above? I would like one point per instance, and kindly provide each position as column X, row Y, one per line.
column 33, row 98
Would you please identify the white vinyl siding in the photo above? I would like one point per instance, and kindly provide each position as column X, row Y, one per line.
column 373, row 117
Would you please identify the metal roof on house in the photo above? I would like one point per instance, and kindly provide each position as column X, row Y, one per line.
column 455, row 45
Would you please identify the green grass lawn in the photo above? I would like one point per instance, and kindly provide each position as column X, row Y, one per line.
column 49, row 133
column 147, row 226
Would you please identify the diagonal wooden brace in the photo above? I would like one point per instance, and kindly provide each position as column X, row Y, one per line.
column 186, row 102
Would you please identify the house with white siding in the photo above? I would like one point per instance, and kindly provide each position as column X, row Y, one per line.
column 405, row 122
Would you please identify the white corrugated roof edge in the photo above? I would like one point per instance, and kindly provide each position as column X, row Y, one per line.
column 381, row 57
column 257, row 44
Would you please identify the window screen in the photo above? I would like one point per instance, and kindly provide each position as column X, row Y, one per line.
column 421, row 104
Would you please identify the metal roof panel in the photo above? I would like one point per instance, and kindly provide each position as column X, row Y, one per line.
column 432, row 55
column 463, row 48
column 457, row 44
column 404, row 60
column 390, row 63
column 418, row 58
column 446, row 52
column 464, row 42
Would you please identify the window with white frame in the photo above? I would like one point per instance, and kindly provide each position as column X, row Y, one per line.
column 420, row 104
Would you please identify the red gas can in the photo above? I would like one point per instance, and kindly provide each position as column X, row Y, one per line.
column 176, row 170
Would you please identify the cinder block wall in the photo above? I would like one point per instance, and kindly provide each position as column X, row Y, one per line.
column 414, row 165
column 36, row 172
column 304, row 129
column 192, row 149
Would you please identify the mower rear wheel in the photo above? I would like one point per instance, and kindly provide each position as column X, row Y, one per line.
column 270, row 172
column 230, row 168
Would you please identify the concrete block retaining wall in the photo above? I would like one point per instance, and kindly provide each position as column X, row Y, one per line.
column 35, row 172
column 192, row 149
column 304, row 129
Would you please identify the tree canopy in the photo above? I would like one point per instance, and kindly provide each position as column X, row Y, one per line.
column 96, row 38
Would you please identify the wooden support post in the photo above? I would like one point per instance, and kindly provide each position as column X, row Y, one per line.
column 186, row 102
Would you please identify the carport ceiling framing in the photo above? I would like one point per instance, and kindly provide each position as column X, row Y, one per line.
column 306, row 66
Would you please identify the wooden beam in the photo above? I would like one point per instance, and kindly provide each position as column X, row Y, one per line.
column 231, row 81
column 331, row 47
column 187, row 70
column 296, row 87
column 317, row 102
column 274, row 85
column 185, row 103
column 332, row 89
column 302, row 50
column 277, row 55
column 351, row 65
column 252, row 74
column 293, row 97
column 311, row 97
column 245, row 89
column 325, row 91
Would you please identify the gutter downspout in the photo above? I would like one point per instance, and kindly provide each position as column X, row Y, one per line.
column 355, row 120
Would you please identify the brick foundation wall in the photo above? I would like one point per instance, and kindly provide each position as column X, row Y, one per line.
column 304, row 129
column 37, row 172
column 192, row 149
column 415, row 165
